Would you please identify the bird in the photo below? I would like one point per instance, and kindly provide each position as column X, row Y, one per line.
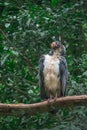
column 53, row 72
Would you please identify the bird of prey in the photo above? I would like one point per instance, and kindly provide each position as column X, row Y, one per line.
column 53, row 72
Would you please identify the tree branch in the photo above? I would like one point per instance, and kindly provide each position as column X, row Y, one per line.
column 45, row 106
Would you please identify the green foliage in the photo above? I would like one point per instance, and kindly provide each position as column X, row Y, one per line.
column 26, row 30
column 54, row 2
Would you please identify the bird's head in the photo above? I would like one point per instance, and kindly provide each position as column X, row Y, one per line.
column 58, row 47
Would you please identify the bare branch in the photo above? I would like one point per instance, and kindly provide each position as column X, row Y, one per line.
column 45, row 106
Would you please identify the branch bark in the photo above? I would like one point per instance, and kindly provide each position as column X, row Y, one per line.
column 45, row 106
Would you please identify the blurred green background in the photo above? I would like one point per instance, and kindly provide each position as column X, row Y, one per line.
column 27, row 28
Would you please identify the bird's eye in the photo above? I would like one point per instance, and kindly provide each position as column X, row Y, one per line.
column 57, row 45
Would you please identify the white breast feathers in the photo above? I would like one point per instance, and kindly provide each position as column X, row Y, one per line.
column 51, row 75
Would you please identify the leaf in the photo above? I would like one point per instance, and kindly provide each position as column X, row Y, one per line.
column 85, row 73
column 7, row 25
column 54, row 2
column 71, row 91
column 6, row 3
column 4, row 59
column 30, row 91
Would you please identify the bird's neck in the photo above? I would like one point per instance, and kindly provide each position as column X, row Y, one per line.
column 57, row 54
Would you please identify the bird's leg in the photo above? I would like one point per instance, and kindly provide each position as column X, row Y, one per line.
column 51, row 97
column 55, row 98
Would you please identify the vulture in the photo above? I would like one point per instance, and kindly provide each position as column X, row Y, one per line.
column 53, row 72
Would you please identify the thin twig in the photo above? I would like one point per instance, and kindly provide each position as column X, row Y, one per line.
column 5, row 36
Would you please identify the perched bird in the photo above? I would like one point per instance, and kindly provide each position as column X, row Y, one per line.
column 53, row 72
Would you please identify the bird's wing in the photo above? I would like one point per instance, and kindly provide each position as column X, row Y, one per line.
column 63, row 75
column 41, row 77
